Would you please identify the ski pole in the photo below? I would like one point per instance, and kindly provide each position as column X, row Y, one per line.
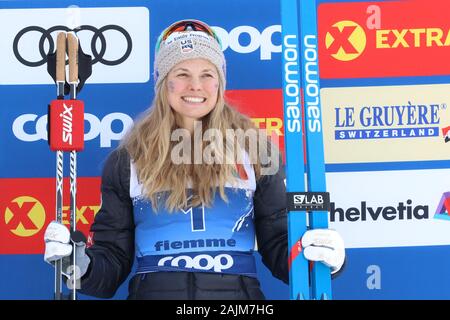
column 72, row 47
column 60, row 82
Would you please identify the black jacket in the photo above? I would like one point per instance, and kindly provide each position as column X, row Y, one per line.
column 112, row 254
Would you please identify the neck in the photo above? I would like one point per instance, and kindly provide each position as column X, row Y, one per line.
column 189, row 124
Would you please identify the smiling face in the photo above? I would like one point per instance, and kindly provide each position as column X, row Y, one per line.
column 192, row 87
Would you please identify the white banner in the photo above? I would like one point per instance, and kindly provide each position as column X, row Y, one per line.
column 116, row 38
column 389, row 208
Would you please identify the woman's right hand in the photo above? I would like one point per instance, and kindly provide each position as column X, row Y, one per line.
column 59, row 245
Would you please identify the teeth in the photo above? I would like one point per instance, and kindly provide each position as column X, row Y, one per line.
column 194, row 99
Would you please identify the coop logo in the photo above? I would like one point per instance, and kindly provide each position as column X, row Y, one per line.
column 248, row 39
column 205, row 262
column 345, row 40
column 30, row 127
column 367, row 212
column 392, row 121
column 443, row 208
column 24, row 216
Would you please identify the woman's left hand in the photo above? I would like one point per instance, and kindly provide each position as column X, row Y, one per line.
column 324, row 245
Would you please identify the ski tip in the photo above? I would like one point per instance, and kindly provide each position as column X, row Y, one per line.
column 324, row 297
column 300, row 296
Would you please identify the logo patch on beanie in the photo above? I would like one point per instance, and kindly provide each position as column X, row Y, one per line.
column 186, row 45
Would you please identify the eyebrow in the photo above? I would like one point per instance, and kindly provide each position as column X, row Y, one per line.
column 187, row 70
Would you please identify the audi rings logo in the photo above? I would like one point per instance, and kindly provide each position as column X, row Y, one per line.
column 98, row 36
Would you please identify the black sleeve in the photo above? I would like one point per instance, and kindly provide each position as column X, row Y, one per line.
column 271, row 223
column 112, row 253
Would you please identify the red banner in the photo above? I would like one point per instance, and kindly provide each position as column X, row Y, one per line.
column 368, row 40
column 264, row 107
column 28, row 205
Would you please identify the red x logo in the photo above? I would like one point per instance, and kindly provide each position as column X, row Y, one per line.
column 20, row 215
column 341, row 40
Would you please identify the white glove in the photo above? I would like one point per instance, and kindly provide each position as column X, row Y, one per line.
column 58, row 245
column 324, row 245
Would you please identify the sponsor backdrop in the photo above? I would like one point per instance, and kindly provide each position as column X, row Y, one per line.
column 385, row 95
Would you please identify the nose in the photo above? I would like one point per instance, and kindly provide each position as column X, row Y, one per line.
column 195, row 83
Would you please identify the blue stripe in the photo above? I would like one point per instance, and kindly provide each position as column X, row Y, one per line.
column 387, row 166
column 228, row 262
column 364, row 134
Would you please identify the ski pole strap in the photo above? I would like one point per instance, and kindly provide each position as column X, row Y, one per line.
column 308, row 201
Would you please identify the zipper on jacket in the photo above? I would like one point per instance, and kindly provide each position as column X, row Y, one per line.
column 191, row 286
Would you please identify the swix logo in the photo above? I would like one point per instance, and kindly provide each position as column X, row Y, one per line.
column 201, row 262
column 67, row 124
column 365, row 212
column 345, row 40
column 102, row 128
column 24, row 216
column 257, row 40
column 443, row 208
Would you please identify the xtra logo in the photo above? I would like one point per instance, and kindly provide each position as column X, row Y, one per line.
column 201, row 262
column 24, row 216
column 345, row 40
column 28, row 205
column 443, row 209
column 362, row 40
column 97, row 128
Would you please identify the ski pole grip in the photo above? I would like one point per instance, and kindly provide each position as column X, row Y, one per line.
column 72, row 42
column 61, row 57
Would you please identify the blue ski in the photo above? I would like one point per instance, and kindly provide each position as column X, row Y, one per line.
column 299, row 43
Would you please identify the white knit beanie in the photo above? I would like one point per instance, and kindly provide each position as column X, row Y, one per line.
column 185, row 45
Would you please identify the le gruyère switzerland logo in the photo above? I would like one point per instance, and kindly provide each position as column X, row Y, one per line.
column 24, row 216
column 345, row 40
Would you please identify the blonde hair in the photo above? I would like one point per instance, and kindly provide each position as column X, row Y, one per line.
column 149, row 145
